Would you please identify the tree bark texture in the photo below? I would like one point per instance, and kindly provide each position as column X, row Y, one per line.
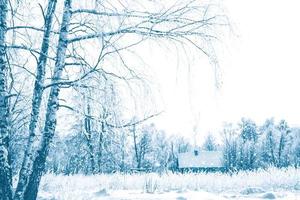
column 29, row 155
column 52, row 107
column 5, row 169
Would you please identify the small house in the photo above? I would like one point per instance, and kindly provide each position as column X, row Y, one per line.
column 198, row 160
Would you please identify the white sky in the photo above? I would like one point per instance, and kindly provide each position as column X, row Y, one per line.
column 260, row 72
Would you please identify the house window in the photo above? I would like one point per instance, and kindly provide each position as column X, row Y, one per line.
column 196, row 152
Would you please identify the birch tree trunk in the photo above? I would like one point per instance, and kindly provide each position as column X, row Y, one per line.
column 52, row 107
column 5, row 171
column 36, row 103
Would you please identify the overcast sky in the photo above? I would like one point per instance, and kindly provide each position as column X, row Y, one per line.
column 260, row 72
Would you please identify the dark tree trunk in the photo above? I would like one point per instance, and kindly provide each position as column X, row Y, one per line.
column 137, row 157
column 52, row 107
column 101, row 146
column 271, row 146
column 5, row 169
column 36, row 103
column 88, row 130
column 280, row 150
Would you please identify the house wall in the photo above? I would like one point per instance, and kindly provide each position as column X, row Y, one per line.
column 204, row 159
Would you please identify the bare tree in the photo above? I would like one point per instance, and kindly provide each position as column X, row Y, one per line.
column 29, row 155
column 52, row 107
column 209, row 143
column 88, row 135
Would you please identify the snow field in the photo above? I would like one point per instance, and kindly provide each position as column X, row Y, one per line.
column 284, row 182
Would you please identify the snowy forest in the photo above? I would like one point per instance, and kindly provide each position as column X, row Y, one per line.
column 245, row 147
column 75, row 95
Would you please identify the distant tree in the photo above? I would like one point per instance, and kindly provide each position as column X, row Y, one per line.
column 247, row 155
column 76, row 154
column 268, row 143
column 268, row 149
column 283, row 146
column 276, row 144
column 210, row 143
column 178, row 144
column 296, row 153
column 161, row 151
column 230, row 149
column 183, row 145
column 295, row 147
column 248, row 130
column 143, row 146
column 57, row 159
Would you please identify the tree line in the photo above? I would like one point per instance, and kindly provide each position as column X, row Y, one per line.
column 249, row 147
column 144, row 148
column 245, row 146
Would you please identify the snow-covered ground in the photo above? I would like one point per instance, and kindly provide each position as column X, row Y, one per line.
column 270, row 184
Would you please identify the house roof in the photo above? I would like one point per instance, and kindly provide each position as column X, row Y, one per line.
column 200, row 159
